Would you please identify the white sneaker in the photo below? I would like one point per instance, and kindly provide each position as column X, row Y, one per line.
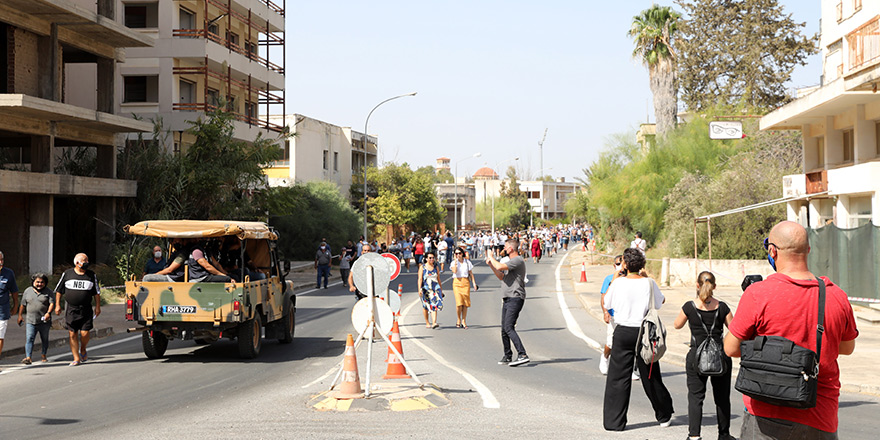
column 666, row 424
column 603, row 364
column 635, row 375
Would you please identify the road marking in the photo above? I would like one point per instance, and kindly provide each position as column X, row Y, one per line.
column 489, row 400
column 96, row 347
column 326, row 375
column 315, row 290
column 572, row 325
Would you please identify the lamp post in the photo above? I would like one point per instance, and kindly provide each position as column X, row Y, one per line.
column 540, row 199
column 366, row 136
column 455, row 180
column 493, row 198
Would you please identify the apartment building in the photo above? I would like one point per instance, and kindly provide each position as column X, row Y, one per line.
column 840, row 123
column 51, row 211
column 318, row 150
column 547, row 198
column 207, row 53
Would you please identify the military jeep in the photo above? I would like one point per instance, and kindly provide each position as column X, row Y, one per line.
column 260, row 304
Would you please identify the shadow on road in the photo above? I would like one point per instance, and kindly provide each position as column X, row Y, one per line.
column 46, row 421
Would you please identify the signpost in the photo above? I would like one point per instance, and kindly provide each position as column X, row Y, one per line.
column 726, row 130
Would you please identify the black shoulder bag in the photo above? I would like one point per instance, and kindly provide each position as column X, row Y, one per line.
column 775, row 370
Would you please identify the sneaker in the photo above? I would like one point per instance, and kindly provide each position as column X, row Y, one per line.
column 504, row 361
column 635, row 375
column 666, row 424
column 603, row 365
column 521, row 359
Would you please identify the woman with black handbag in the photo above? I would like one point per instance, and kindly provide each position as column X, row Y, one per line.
column 706, row 317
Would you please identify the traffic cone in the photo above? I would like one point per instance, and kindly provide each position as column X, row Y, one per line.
column 583, row 272
column 395, row 370
column 350, row 386
column 399, row 296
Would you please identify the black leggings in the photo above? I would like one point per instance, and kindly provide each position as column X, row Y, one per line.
column 696, row 384
column 618, row 383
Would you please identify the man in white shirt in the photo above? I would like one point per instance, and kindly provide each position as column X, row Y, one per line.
column 639, row 243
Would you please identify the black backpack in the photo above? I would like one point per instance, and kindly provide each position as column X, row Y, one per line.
column 710, row 353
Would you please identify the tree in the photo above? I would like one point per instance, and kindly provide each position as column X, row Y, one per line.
column 522, row 211
column 401, row 196
column 653, row 31
column 738, row 53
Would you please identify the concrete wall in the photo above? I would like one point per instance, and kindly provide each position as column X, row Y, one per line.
column 27, row 64
column 683, row 272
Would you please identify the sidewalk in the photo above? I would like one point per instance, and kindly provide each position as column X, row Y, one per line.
column 112, row 320
column 856, row 371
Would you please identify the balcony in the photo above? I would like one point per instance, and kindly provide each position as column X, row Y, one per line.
column 250, row 52
column 864, row 55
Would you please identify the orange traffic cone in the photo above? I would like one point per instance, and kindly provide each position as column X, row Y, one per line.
column 395, row 370
column 583, row 272
column 399, row 296
column 350, row 386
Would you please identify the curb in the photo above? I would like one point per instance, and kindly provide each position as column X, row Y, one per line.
column 98, row 333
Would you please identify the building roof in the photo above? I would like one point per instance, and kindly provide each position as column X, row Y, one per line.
column 444, row 159
column 486, row 173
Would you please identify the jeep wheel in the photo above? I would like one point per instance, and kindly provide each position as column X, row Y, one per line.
column 287, row 323
column 155, row 344
column 249, row 337
column 201, row 341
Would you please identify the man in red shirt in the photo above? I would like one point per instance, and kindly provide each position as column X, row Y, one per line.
column 786, row 304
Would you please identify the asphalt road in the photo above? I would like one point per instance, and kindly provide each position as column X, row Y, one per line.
column 207, row 392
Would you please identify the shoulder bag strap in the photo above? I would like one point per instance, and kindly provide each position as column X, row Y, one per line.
column 820, row 328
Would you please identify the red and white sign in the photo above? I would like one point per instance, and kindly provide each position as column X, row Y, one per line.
column 394, row 264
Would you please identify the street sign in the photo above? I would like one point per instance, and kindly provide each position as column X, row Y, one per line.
column 381, row 273
column 394, row 263
column 360, row 315
column 726, row 130
column 393, row 300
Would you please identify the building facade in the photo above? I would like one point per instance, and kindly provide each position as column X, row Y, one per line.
column 317, row 150
column 547, row 198
column 207, row 54
column 51, row 209
column 840, row 123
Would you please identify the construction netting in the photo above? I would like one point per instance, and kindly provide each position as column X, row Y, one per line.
column 849, row 257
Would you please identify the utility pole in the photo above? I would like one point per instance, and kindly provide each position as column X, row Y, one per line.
column 541, row 148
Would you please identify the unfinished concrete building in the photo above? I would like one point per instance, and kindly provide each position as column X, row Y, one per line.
column 49, row 208
column 207, row 52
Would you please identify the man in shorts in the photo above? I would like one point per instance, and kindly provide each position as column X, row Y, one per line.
column 8, row 296
column 78, row 286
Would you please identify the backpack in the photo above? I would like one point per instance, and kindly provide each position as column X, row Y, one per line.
column 710, row 354
column 651, row 343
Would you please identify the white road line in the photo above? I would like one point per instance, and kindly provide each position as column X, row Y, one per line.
column 315, row 290
column 572, row 325
column 96, row 347
column 489, row 400
column 326, row 375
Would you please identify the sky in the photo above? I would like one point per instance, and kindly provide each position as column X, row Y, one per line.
column 490, row 77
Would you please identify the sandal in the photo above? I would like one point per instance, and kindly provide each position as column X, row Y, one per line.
column 44, row 359
column 435, row 326
column 26, row 361
column 83, row 357
column 457, row 325
column 73, row 364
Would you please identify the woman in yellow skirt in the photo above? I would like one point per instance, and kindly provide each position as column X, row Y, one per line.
column 463, row 279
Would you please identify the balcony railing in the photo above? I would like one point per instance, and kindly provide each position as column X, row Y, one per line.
column 208, row 35
column 864, row 44
column 250, row 120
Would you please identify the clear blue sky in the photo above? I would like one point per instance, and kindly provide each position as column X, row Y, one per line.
column 490, row 76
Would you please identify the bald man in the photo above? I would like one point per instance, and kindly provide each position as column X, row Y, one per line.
column 786, row 304
column 78, row 286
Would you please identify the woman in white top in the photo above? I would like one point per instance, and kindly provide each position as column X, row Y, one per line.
column 628, row 301
column 463, row 274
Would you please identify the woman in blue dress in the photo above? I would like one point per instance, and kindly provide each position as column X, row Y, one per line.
column 431, row 291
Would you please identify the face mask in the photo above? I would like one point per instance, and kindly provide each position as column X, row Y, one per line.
column 157, row 254
column 771, row 261
column 323, row 247
column 84, row 266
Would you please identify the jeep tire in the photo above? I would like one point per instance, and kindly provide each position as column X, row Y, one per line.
column 250, row 337
column 287, row 323
column 155, row 344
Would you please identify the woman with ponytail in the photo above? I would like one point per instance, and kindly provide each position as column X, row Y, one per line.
column 705, row 314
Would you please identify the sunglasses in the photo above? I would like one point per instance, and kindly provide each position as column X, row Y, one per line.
column 767, row 244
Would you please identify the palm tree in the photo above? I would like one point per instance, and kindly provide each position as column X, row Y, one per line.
column 652, row 31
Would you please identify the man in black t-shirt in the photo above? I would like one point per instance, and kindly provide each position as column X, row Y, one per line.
column 78, row 286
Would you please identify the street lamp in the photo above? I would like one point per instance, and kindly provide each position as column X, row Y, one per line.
column 455, row 180
column 540, row 199
column 366, row 136
column 493, row 198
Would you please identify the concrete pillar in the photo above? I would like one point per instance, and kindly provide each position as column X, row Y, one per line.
column 107, row 8
column 168, row 84
column 50, row 65
column 815, row 214
column 841, row 216
column 833, row 144
column 106, row 161
column 864, row 137
column 664, row 272
column 105, row 227
column 42, row 154
column 810, row 158
column 40, row 230
column 106, row 85
column 875, row 208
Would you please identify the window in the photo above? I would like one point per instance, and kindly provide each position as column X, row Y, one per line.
column 326, row 159
column 820, row 152
column 214, row 29
column 857, row 5
column 848, row 146
column 232, row 38
column 141, row 89
column 250, row 110
column 335, row 161
column 859, row 211
column 187, row 19
column 142, row 15
column 187, row 92
column 213, row 98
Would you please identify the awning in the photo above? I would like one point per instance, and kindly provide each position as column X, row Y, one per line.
column 760, row 205
column 202, row 229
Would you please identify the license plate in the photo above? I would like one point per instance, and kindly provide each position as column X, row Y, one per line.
column 178, row 309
